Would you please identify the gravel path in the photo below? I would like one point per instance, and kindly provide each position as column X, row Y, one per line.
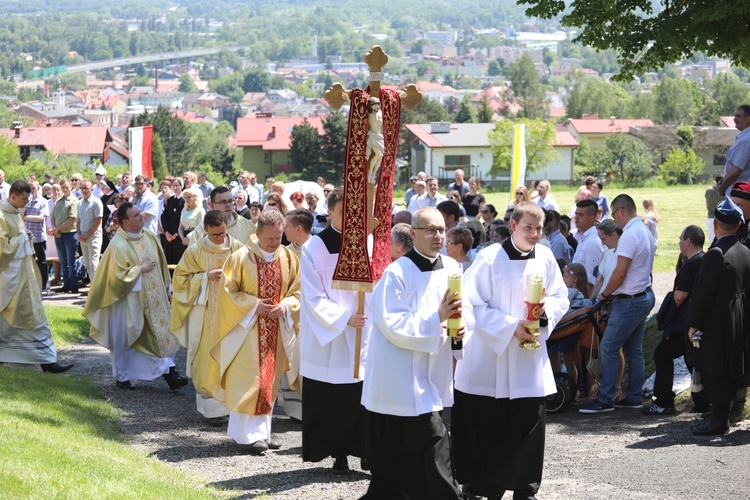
column 619, row 454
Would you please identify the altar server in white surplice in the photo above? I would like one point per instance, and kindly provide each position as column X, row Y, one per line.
column 498, row 418
column 333, row 416
column 410, row 371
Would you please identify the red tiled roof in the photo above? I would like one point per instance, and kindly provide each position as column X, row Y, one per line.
column 606, row 125
column 259, row 131
column 425, row 86
column 565, row 139
column 70, row 140
column 423, row 135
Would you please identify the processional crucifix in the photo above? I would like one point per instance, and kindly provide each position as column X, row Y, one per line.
column 371, row 146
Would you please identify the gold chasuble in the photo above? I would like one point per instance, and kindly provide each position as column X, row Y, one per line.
column 20, row 280
column 195, row 300
column 241, row 229
column 148, row 309
column 252, row 350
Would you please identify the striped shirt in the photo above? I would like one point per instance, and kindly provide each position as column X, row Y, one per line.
column 37, row 206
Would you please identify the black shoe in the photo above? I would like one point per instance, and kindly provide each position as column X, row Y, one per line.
column 713, row 426
column 257, row 448
column 273, row 444
column 85, row 294
column 705, row 415
column 174, row 379
column 340, row 466
column 55, row 367
column 655, row 409
column 62, row 289
column 74, row 290
column 125, row 384
column 364, row 464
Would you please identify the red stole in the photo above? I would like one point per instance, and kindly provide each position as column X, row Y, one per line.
column 269, row 287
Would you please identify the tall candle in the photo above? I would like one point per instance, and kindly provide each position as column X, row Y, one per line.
column 536, row 288
column 534, row 297
column 454, row 321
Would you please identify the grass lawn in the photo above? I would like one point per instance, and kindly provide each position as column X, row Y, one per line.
column 678, row 207
column 67, row 324
column 61, row 439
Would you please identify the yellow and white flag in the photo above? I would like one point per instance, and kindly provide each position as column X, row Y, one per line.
column 518, row 169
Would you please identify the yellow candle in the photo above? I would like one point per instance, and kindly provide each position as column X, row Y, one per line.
column 454, row 321
column 536, row 288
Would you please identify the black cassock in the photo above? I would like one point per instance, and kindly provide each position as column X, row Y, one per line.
column 720, row 308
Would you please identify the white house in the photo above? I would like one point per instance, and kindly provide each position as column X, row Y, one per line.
column 444, row 147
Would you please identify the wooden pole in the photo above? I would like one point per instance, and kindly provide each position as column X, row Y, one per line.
column 358, row 338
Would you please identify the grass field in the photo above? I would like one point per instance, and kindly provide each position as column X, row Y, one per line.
column 678, row 207
column 60, row 438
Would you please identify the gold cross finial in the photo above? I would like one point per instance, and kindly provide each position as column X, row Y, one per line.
column 375, row 59
column 336, row 96
column 410, row 97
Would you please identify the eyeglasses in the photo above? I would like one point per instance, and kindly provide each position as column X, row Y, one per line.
column 431, row 230
column 616, row 210
column 271, row 204
column 451, row 242
column 139, row 184
column 326, row 190
column 519, row 192
column 485, row 211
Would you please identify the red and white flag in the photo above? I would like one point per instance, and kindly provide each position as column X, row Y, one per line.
column 140, row 150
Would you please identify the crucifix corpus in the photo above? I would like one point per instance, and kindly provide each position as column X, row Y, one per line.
column 369, row 169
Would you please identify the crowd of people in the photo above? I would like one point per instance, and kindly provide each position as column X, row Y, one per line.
column 243, row 278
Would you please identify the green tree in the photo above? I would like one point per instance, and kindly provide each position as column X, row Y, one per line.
column 681, row 166
column 643, row 105
column 8, row 88
column 727, row 92
column 333, row 152
column 465, row 112
column 677, row 101
column 626, row 157
column 158, row 160
column 305, row 150
column 278, row 82
column 496, row 67
column 256, row 80
column 187, row 84
column 592, row 95
column 175, row 136
column 648, row 35
column 229, row 85
column 540, row 136
column 586, row 161
column 527, row 88
column 485, row 113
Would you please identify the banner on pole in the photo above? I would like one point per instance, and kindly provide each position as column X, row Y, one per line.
column 518, row 170
column 140, row 150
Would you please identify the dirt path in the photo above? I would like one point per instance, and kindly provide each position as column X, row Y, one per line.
column 621, row 454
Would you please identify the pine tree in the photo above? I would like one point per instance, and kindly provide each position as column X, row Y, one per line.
column 158, row 160
column 333, row 153
column 485, row 114
column 304, row 154
column 465, row 112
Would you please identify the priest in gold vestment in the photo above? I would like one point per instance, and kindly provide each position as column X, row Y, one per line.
column 195, row 300
column 128, row 305
column 25, row 336
column 238, row 228
column 258, row 312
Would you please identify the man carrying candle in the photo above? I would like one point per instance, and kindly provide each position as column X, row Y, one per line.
column 407, row 443
column 498, row 421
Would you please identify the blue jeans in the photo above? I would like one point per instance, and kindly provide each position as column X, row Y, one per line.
column 67, row 246
column 625, row 327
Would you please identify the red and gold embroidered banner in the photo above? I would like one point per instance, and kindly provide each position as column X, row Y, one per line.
column 381, row 252
column 269, row 287
column 355, row 270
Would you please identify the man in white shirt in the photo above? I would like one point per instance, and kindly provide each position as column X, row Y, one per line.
column 498, row 419
column 147, row 203
column 589, row 252
column 408, row 446
column 333, row 416
column 546, row 199
column 89, row 227
column 629, row 289
column 4, row 186
column 430, row 199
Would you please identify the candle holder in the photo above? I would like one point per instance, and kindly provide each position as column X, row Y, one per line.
column 455, row 321
column 536, row 292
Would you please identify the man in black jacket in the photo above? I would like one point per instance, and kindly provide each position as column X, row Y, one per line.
column 671, row 319
column 719, row 309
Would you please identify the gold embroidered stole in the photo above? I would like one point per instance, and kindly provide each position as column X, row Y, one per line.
column 157, row 300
